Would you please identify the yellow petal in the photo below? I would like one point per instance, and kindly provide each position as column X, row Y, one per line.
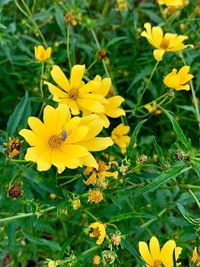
column 90, row 161
column 167, row 253
column 72, row 125
column 38, row 127
column 158, row 54
column 55, row 91
column 144, row 252
column 77, row 135
column 32, row 138
column 88, row 88
column 74, row 151
column 154, row 248
column 97, row 143
column 91, row 105
column 60, row 78
column 157, row 34
column 51, row 121
column 76, row 75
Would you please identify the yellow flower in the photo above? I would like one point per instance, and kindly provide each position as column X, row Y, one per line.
column 195, row 258
column 57, row 141
column 169, row 42
column 121, row 4
column 156, row 257
column 96, row 260
column 120, row 137
column 95, row 196
column 179, row 80
column 152, row 108
column 174, row 3
column 98, row 175
column 76, row 204
column 42, row 54
column 112, row 106
column 74, row 92
column 98, row 230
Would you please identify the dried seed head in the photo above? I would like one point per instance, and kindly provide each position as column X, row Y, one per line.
column 116, row 239
column 15, row 191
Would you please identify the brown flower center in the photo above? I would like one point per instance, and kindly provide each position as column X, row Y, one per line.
column 55, row 141
column 73, row 93
column 157, row 263
column 96, row 232
column 164, row 44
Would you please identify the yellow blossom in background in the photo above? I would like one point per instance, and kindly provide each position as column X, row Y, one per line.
column 99, row 231
column 152, row 108
column 74, row 92
column 76, row 204
column 57, row 141
column 96, row 260
column 156, row 257
column 73, row 20
column 42, row 54
column 120, row 137
column 179, row 80
column 168, row 42
column 174, row 3
column 121, row 4
column 95, row 196
column 195, row 258
column 97, row 176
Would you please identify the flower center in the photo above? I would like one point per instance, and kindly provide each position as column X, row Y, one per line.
column 96, row 232
column 164, row 44
column 73, row 93
column 55, row 141
column 157, row 263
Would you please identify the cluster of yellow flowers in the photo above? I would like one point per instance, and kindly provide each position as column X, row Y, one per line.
column 65, row 141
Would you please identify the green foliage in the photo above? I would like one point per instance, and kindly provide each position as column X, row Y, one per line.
column 157, row 189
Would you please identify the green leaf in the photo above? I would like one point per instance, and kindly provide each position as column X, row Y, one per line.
column 60, row 20
column 177, row 129
column 158, row 150
column 42, row 242
column 134, row 137
column 17, row 115
column 195, row 222
column 163, row 178
column 127, row 245
column 64, row 247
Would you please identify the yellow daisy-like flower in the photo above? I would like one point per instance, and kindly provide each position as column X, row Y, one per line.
column 99, row 231
column 57, row 140
column 95, row 196
column 41, row 53
column 174, row 3
column 178, row 80
column 156, row 257
column 168, row 42
column 195, row 258
column 96, row 260
column 74, row 92
column 120, row 137
column 98, row 175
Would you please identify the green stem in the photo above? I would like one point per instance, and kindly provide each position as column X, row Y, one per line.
column 92, row 64
column 71, row 180
column 147, row 83
column 193, row 95
column 18, row 160
column 68, row 49
column 152, row 220
column 41, row 80
column 195, row 198
column 91, row 215
column 29, row 16
column 24, row 215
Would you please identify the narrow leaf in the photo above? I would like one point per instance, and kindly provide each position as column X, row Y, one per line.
column 163, row 178
column 158, row 150
column 134, row 137
column 177, row 129
column 127, row 245
column 17, row 115
column 60, row 20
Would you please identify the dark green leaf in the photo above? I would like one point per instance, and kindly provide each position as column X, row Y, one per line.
column 134, row 137
column 127, row 245
column 17, row 115
column 178, row 130
column 60, row 20
column 163, row 178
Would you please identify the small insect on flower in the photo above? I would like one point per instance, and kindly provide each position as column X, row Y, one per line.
column 99, row 231
column 63, row 135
